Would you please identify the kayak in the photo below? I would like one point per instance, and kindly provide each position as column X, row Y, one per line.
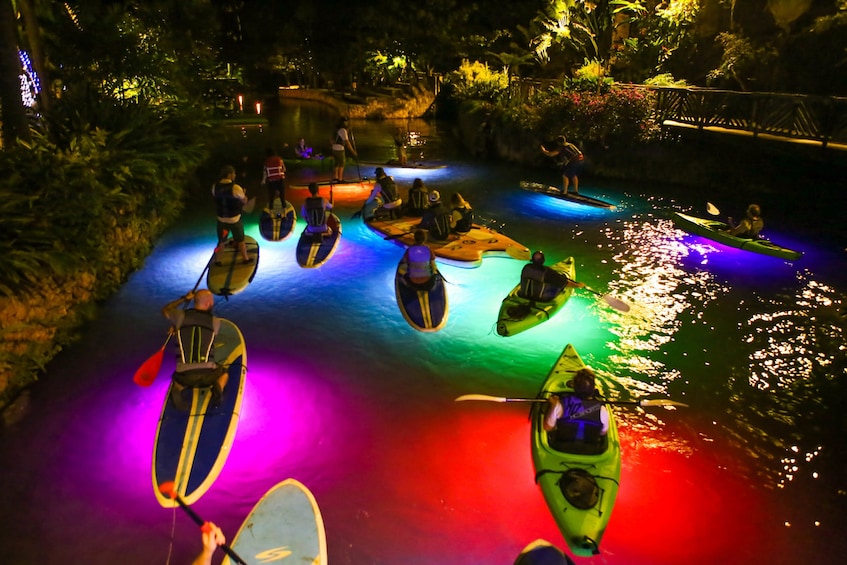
column 542, row 552
column 228, row 274
column 285, row 525
column 520, row 314
column 313, row 250
column 192, row 446
column 579, row 485
column 714, row 230
column 460, row 250
column 425, row 309
column 358, row 185
column 576, row 198
column 277, row 223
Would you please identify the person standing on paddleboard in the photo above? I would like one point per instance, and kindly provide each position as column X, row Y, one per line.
column 230, row 200
column 340, row 145
column 570, row 160
column 273, row 176
column 195, row 330
column 541, row 283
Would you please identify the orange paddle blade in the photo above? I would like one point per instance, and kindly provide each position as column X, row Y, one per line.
column 149, row 370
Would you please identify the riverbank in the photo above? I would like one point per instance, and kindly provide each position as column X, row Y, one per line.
column 369, row 104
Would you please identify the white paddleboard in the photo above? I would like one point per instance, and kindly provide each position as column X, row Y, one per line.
column 285, row 526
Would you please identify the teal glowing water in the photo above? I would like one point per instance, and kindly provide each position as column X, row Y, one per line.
column 344, row 396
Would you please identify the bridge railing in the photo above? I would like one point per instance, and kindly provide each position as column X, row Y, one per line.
column 820, row 119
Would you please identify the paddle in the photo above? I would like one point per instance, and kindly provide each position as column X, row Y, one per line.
column 645, row 402
column 149, row 370
column 712, row 209
column 169, row 489
column 615, row 303
column 356, row 151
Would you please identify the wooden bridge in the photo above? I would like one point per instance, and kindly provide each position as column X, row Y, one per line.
column 818, row 120
column 813, row 120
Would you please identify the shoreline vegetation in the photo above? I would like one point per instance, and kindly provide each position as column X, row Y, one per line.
column 47, row 313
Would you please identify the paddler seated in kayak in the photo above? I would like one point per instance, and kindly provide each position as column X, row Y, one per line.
column 437, row 219
column 577, row 416
column 301, row 150
column 384, row 195
column 750, row 225
column 540, row 283
column 315, row 209
column 195, row 330
column 418, row 263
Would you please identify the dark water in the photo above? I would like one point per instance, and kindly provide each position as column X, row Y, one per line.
column 344, row 396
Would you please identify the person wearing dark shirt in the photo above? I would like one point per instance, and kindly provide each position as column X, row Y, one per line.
column 541, row 283
column 437, row 219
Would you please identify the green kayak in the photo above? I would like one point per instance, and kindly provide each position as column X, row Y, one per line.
column 520, row 314
column 579, row 485
column 714, row 230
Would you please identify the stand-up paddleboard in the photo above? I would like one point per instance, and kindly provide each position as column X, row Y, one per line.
column 542, row 552
column 424, row 308
column 192, row 446
column 285, row 526
column 395, row 164
column 313, row 250
column 465, row 250
column 277, row 222
column 570, row 196
column 228, row 273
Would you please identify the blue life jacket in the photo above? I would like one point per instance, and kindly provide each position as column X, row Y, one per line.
column 228, row 205
column 580, row 419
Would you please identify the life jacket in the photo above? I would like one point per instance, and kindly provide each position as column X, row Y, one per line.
column 315, row 212
column 533, row 286
column 418, row 200
column 464, row 224
column 755, row 227
column 228, row 205
column 274, row 170
column 388, row 189
column 196, row 339
column 580, row 419
column 419, row 257
column 437, row 221
column 569, row 152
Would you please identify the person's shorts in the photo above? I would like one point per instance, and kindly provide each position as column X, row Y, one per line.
column 573, row 168
column 236, row 229
column 340, row 158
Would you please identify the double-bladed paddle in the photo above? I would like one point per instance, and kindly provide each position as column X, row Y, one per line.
column 169, row 489
column 645, row 402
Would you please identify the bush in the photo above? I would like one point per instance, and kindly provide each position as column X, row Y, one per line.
column 475, row 81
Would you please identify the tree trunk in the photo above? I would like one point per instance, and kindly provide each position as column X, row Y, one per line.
column 13, row 114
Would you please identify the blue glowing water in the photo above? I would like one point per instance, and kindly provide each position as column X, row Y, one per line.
column 344, row 396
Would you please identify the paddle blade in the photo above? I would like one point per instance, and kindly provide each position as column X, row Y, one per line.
column 616, row 303
column 712, row 209
column 662, row 402
column 149, row 370
column 168, row 488
column 483, row 397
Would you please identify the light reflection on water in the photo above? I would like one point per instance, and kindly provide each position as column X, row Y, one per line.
column 342, row 394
